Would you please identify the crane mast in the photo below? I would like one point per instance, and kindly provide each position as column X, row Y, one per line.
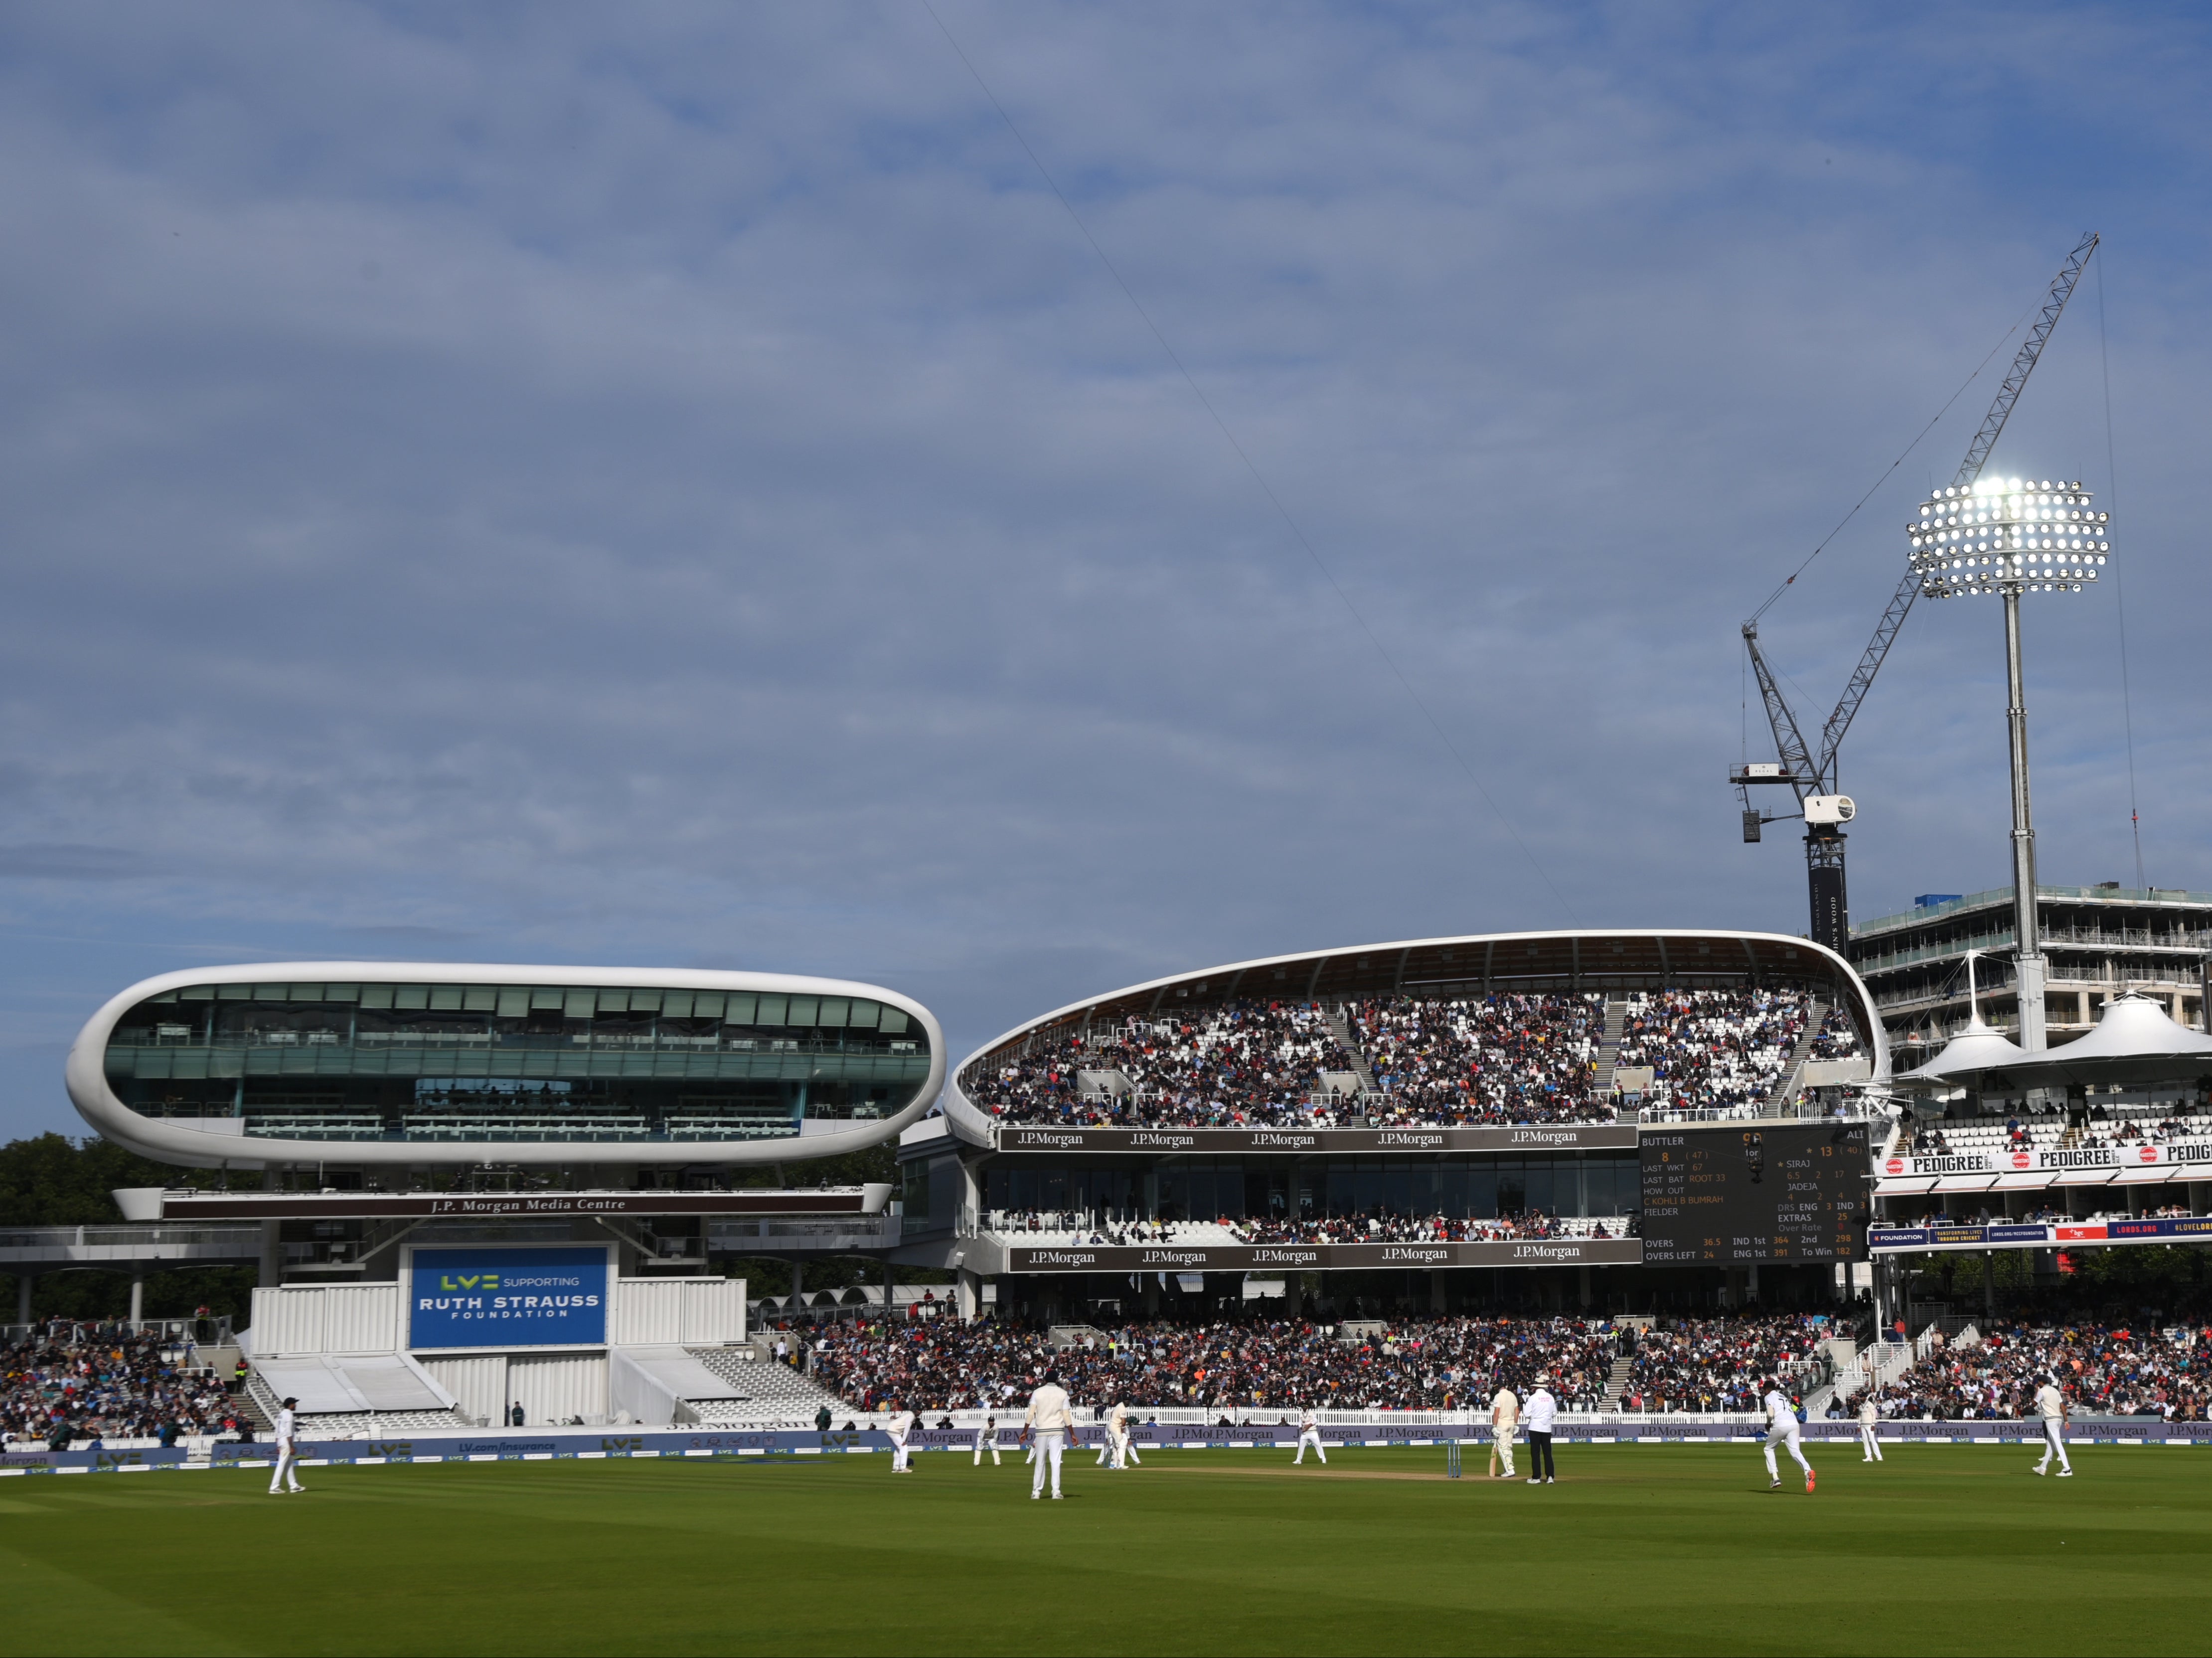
column 1812, row 777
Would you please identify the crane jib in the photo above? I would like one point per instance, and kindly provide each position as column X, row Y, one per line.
column 1814, row 776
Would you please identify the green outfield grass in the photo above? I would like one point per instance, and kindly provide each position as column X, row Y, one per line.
column 1637, row 1549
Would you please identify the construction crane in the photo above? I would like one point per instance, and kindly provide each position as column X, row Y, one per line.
column 1812, row 777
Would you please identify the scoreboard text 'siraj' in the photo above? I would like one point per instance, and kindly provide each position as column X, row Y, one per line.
column 1754, row 1192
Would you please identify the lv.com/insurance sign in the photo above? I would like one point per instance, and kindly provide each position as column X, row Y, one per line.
column 493, row 1297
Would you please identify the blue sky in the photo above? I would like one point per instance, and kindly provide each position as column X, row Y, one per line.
column 671, row 484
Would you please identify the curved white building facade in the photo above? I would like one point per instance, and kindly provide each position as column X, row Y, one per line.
column 385, row 1063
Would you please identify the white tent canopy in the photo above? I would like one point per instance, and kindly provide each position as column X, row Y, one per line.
column 1977, row 1048
column 2134, row 1043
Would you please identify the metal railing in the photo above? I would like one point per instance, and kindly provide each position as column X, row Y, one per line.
column 175, row 1331
column 2004, row 895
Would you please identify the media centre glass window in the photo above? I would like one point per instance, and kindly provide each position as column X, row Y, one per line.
column 444, row 1062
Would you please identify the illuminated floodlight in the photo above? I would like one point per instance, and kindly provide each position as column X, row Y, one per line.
column 2007, row 534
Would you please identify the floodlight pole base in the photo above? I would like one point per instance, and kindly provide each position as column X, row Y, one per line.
column 2026, row 935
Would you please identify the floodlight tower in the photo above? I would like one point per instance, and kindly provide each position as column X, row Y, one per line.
column 1812, row 774
column 2009, row 537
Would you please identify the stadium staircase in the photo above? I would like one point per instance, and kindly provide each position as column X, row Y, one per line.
column 247, row 1401
column 1616, row 1382
column 1793, row 1064
column 1340, row 1022
column 1609, row 1053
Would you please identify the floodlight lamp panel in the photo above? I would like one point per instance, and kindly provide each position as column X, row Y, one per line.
column 2007, row 534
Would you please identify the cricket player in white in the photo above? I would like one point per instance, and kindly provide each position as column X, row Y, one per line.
column 1783, row 1429
column 1106, row 1445
column 2050, row 1406
column 1049, row 1423
column 1117, row 1426
column 987, row 1439
column 900, row 1425
column 1310, row 1433
column 1869, row 1420
column 286, row 1470
column 1504, row 1416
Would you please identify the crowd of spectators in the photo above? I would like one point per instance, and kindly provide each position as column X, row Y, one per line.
column 1709, row 1364
column 1500, row 1059
column 1442, row 1364
column 69, row 1384
column 1425, row 1228
column 1497, row 1058
column 1712, row 1049
column 2102, row 1370
column 1837, row 1038
column 1087, row 1226
column 2134, row 1131
column 1246, row 1064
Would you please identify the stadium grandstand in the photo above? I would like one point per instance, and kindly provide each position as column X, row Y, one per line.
column 1432, row 1364
column 1384, row 1178
column 2103, row 1369
column 112, row 1385
column 1500, row 1059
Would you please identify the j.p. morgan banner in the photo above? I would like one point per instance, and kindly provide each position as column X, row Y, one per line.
column 517, row 1297
column 1532, row 1137
column 1322, row 1257
column 2097, row 1162
column 2022, row 1234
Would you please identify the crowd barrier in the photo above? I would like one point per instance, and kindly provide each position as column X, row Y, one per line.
column 568, row 1444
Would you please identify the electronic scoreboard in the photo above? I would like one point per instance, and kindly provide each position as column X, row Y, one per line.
column 1744, row 1193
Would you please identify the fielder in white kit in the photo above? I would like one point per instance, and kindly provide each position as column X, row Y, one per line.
column 1310, row 1433
column 1049, row 1424
column 285, row 1470
column 1869, row 1420
column 2050, row 1406
column 987, row 1439
column 1783, row 1429
column 900, row 1425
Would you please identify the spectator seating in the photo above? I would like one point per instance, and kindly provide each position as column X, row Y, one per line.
column 2102, row 1370
column 1837, row 1038
column 1253, row 1063
column 771, row 1392
column 1712, row 1050
column 1709, row 1364
column 1428, row 1229
column 106, row 1386
column 1052, row 1227
column 1415, row 1364
column 1497, row 1058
